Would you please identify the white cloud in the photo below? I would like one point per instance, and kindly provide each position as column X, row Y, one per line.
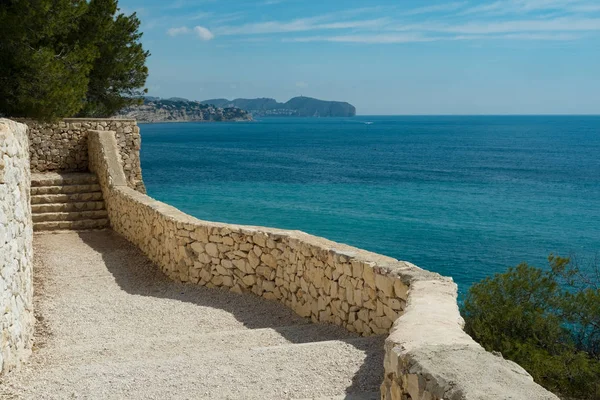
column 227, row 18
column 457, row 20
column 301, row 84
column 565, row 24
column 436, row 8
column 505, row 7
column 200, row 31
column 418, row 38
column 365, row 38
column 201, row 15
column 300, row 25
column 182, row 30
column 203, row 33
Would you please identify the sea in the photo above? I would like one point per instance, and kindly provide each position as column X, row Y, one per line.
column 464, row 196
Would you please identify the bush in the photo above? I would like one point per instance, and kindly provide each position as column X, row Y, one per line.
column 548, row 321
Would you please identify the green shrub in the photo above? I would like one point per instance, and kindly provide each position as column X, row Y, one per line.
column 548, row 321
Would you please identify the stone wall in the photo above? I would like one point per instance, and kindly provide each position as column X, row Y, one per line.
column 428, row 356
column 16, row 233
column 62, row 146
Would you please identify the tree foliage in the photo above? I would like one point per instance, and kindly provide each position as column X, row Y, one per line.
column 63, row 58
column 548, row 321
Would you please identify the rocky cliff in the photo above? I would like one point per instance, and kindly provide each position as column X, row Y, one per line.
column 296, row 107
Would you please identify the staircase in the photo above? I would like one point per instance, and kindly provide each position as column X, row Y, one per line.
column 70, row 201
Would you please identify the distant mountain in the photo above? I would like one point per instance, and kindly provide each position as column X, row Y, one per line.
column 296, row 107
column 176, row 109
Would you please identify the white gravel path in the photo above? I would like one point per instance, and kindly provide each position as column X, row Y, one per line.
column 111, row 326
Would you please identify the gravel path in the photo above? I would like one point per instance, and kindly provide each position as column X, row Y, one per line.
column 111, row 326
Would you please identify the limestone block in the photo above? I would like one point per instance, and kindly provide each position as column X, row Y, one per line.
column 242, row 265
column 212, row 250
column 363, row 315
column 303, row 310
column 197, row 247
column 249, row 280
column 395, row 304
column 369, row 276
column 357, row 269
column 269, row 260
column 217, row 280
column 400, row 289
column 269, row 296
column 264, row 271
column 236, row 289
column 268, row 286
column 228, row 281
column 245, row 246
column 253, row 260
column 385, row 284
column 260, row 239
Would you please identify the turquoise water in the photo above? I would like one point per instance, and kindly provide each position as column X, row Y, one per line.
column 463, row 196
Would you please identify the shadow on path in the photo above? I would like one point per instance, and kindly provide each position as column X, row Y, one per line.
column 137, row 275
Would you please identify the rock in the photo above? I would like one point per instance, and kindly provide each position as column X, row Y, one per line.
column 369, row 276
column 212, row 250
column 269, row 260
column 400, row 289
column 249, row 280
column 241, row 265
column 385, row 284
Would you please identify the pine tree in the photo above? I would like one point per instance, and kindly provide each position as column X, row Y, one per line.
column 119, row 73
column 60, row 58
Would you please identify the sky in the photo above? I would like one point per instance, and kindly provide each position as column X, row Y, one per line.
column 386, row 57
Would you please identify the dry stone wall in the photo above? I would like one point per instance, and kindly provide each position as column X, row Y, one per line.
column 16, row 233
column 428, row 356
column 62, row 146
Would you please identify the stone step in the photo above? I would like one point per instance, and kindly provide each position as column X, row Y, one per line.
column 65, row 189
column 66, row 198
column 58, row 179
column 85, row 224
column 67, row 207
column 70, row 216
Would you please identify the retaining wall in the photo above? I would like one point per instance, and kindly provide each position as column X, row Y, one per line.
column 428, row 356
column 62, row 146
column 16, row 233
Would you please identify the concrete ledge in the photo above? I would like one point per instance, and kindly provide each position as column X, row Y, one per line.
column 429, row 356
